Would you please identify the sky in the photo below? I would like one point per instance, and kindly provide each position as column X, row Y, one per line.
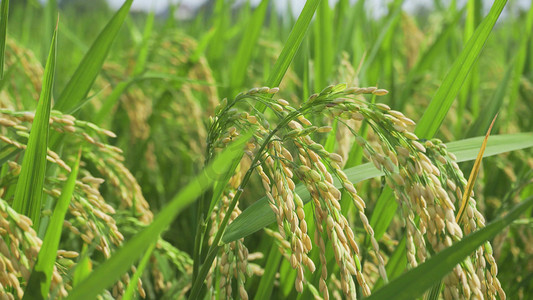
column 376, row 7
column 297, row 5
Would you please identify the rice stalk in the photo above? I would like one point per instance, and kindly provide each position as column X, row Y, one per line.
column 424, row 177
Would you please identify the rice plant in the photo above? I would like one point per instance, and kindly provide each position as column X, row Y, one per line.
column 247, row 153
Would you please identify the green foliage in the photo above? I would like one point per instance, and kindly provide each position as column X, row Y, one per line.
column 445, row 95
column 4, row 11
column 248, row 45
column 29, row 190
column 119, row 263
column 41, row 276
column 83, row 78
column 169, row 198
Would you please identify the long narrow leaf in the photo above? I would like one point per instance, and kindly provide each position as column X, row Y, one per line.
column 41, row 277
column 4, row 11
column 130, row 290
column 83, row 267
column 7, row 152
column 323, row 45
column 293, row 43
column 385, row 30
column 259, row 214
column 473, row 174
column 80, row 83
column 451, row 85
column 492, row 106
column 111, row 270
column 291, row 46
column 247, row 45
column 264, row 291
column 144, row 48
column 520, row 61
column 29, row 190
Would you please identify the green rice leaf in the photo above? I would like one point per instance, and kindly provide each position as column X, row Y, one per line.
column 291, row 46
column 49, row 14
column 248, row 45
column 468, row 149
column 221, row 25
column 119, row 263
column 468, row 93
column 442, row 101
column 130, row 290
column 293, row 43
column 4, row 11
column 29, row 190
column 383, row 212
column 416, row 281
column 492, row 106
column 520, row 61
column 323, row 45
column 83, row 78
column 386, row 31
column 7, row 152
column 83, row 267
column 145, row 44
column 259, row 214
column 111, row 101
column 264, row 290
column 203, row 43
column 41, row 276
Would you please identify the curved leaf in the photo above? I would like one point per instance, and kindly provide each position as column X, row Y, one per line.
column 119, row 263
column 83, row 78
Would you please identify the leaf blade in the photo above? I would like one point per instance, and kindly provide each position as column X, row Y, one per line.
column 473, row 174
column 247, row 45
column 442, row 101
column 83, row 78
column 118, row 264
column 4, row 12
column 291, row 47
column 41, row 276
column 29, row 189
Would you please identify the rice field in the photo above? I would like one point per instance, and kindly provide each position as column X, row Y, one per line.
column 244, row 153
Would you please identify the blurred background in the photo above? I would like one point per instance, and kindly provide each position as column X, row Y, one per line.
column 173, row 62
